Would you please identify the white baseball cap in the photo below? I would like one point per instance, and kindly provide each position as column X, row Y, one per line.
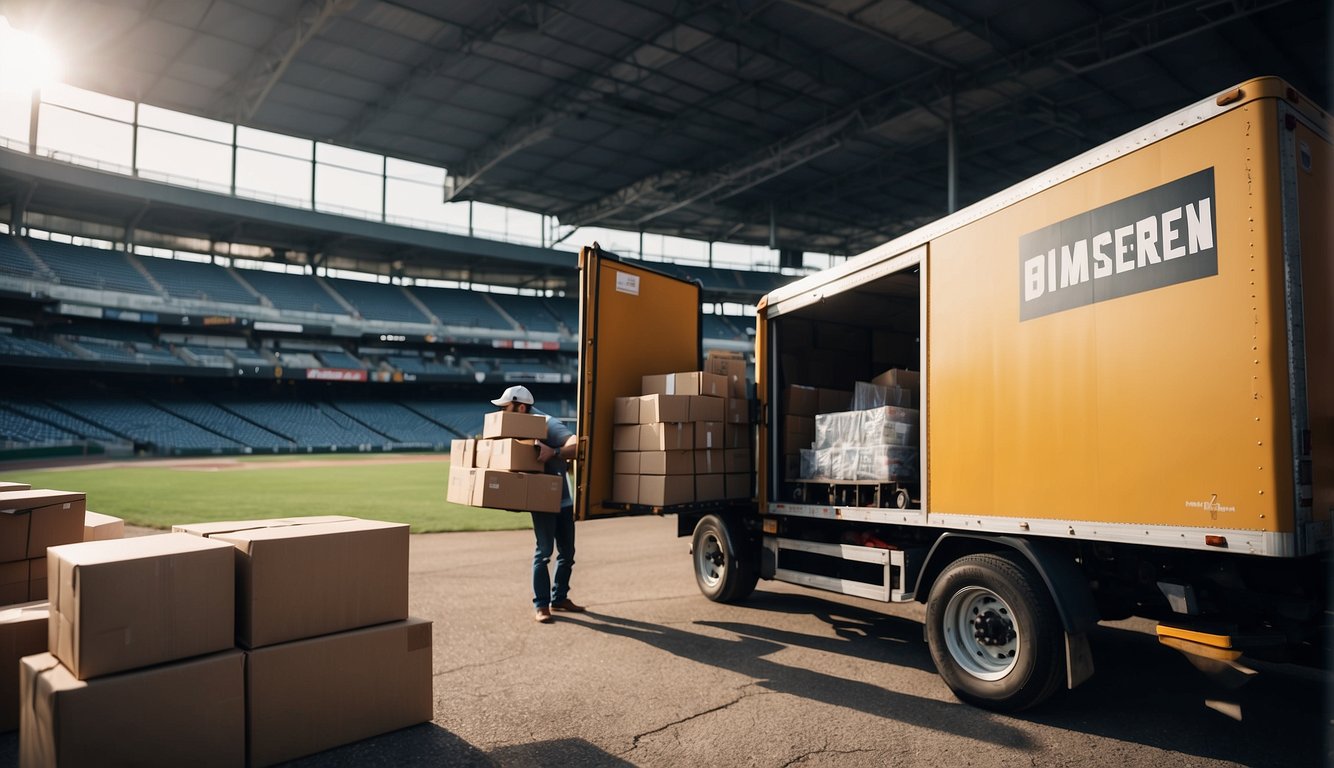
column 514, row 394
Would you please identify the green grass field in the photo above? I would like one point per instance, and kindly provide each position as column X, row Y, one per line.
column 157, row 496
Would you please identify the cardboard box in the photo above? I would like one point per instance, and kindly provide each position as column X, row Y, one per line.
column 736, row 460
column 625, row 437
column 99, row 527
column 37, row 579
column 831, row 400
column 189, row 713
column 7, row 486
column 731, row 366
column 301, row 581
column 22, row 633
column 310, row 695
column 708, row 434
column 130, row 603
column 625, row 462
column 666, row 490
column 707, row 408
column 459, row 490
column 482, row 454
column 708, row 463
column 514, row 455
column 230, row 526
column 799, row 400
column 709, row 487
column 664, row 408
column 544, row 492
column 899, row 377
column 737, row 485
column 626, row 411
column 667, row 463
column 625, row 488
column 462, row 453
column 736, row 436
column 32, row 520
column 518, row 425
column 499, row 489
column 14, row 582
column 691, row 383
column 666, row 437
column 798, row 432
column 737, row 412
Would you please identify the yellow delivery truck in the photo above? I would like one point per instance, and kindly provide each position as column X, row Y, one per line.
column 1105, row 391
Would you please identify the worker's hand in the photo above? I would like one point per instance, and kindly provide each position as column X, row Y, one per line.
column 545, row 452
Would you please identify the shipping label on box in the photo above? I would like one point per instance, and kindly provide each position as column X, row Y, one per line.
column 307, row 580
column 736, row 460
column 187, row 713
column 738, row 411
column 666, row 437
column 625, row 489
column 707, row 408
column 799, row 400
column 625, row 462
column 514, row 455
column 510, row 424
column 625, row 437
column 666, row 490
column 22, row 633
column 99, row 527
column 310, row 695
column 664, row 408
column 709, row 487
column 463, row 453
column 544, row 492
column 708, row 463
column 129, row 603
column 667, row 462
column 626, row 411
column 737, row 485
column 499, row 489
column 459, row 490
column 709, row 434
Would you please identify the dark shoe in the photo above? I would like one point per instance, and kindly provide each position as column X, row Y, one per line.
column 543, row 615
column 568, row 606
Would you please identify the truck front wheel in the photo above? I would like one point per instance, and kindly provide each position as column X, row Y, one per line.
column 722, row 570
column 994, row 633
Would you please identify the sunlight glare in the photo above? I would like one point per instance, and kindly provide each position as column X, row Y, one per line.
column 27, row 63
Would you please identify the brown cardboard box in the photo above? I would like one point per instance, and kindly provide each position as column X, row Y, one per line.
column 514, row 455
column 709, row 487
column 99, row 527
column 832, row 400
column 736, row 485
column 544, row 492
column 14, row 582
column 625, row 437
column 736, row 460
column 7, row 486
column 666, row 437
column 731, row 366
column 188, row 713
column 799, row 400
column 459, row 490
column 129, row 603
column 482, row 454
column 708, row 463
column 899, row 377
column 736, row 436
column 709, row 434
column 667, row 463
column 22, row 633
column 499, row 489
column 37, row 579
column 463, row 453
column 666, row 490
column 798, row 432
column 306, row 580
column 738, row 411
column 625, row 462
column 707, row 408
column 659, row 408
column 626, row 411
column 310, row 695
column 52, row 518
column 230, row 526
column 691, row 383
column 625, row 488
column 509, row 424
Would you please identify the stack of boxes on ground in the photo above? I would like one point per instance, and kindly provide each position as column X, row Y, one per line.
column 501, row 470
column 686, row 438
column 869, row 434
column 143, row 664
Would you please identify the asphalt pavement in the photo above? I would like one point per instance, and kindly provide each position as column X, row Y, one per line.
column 656, row 675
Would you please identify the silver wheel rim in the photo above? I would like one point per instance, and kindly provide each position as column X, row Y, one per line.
column 974, row 610
column 710, row 563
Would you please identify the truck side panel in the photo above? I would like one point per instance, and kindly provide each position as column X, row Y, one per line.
column 1164, row 405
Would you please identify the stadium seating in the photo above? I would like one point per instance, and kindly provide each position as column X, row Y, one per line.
column 18, row 428
column 468, row 309
column 13, row 260
column 25, row 347
column 308, row 425
column 195, row 280
column 530, row 312
column 399, row 423
column 210, row 357
column 567, row 311
column 378, row 301
column 462, row 417
column 719, row 327
column 339, row 359
column 96, row 268
column 298, row 360
column 216, row 419
column 148, row 424
column 295, row 292
column 40, row 411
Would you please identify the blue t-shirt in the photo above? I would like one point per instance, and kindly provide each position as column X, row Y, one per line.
column 557, row 435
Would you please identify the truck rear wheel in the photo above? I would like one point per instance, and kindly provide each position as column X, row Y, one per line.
column 722, row 571
column 994, row 633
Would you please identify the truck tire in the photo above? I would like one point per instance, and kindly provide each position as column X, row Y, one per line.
column 994, row 633
column 724, row 573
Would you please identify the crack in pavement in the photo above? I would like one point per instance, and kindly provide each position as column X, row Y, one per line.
column 825, row 751
column 634, row 744
column 452, row 670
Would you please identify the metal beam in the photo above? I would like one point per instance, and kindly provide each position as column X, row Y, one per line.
column 850, row 20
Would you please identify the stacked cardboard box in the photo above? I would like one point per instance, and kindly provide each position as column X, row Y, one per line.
column 686, row 438
column 99, row 527
column 877, row 440
column 140, row 666
column 501, row 471
column 31, row 521
column 22, row 633
column 331, row 655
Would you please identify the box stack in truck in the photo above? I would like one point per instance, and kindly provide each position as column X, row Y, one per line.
column 501, row 470
column 875, row 441
column 685, row 439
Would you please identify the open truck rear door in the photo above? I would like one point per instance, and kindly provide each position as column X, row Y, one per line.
column 633, row 322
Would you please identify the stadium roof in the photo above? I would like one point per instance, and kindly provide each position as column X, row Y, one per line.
column 818, row 125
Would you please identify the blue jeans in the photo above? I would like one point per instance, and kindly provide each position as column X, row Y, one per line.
column 552, row 532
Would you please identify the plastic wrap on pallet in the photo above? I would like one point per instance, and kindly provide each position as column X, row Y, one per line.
column 808, row 464
column 887, row 463
column 836, row 429
column 874, row 417
column 866, row 396
column 844, row 462
column 885, row 432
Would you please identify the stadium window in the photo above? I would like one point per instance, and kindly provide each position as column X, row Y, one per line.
column 86, row 128
column 181, row 149
column 348, row 181
column 273, row 167
column 15, row 117
column 412, row 198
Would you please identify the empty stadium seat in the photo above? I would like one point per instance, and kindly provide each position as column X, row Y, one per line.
column 378, row 301
column 96, row 268
column 398, row 422
column 146, row 423
column 224, row 422
column 468, row 309
column 308, row 425
column 301, row 293
column 14, row 261
column 196, row 280
column 530, row 312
